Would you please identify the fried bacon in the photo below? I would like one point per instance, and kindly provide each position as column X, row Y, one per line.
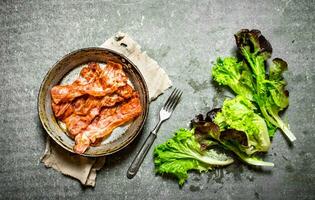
column 85, row 111
column 62, row 110
column 95, row 104
column 92, row 82
column 106, row 101
column 108, row 120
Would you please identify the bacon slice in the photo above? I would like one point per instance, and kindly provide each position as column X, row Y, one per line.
column 125, row 91
column 108, row 120
column 122, row 93
column 62, row 110
column 76, row 123
column 95, row 104
column 90, row 72
column 94, row 81
column 66, row 93
column 115, row 74
column 85, row 111
column 87, row 74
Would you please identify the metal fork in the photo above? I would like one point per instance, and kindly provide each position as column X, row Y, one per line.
column 165, row 114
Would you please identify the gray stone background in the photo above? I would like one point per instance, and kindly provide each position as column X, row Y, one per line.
column 184, row 37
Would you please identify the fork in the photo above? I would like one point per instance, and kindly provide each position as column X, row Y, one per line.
column 165, row 114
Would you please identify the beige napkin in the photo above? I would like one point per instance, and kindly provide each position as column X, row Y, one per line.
column 155, row 77
column 83, row 168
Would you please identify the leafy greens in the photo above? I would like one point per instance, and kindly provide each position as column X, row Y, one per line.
column 183, row 153
column 247, row 77
column 238, row 114
column 244, row 124
column 245, row 141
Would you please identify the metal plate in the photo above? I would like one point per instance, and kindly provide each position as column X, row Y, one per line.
column 65, row 70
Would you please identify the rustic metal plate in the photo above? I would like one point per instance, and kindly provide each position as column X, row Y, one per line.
column 64, row 71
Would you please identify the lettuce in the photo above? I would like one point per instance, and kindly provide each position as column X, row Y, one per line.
column 247, row 77
column 238, row 114
column 270, row 94
column 183, row 152
column 244, row 124
column 237, row 128
column 249, row 159
column 236, row 75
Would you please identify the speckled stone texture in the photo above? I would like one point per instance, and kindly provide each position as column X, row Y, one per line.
column 184, row 37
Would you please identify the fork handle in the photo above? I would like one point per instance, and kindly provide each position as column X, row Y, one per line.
column 137, row 161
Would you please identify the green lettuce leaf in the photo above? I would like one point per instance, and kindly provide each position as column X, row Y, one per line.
column 238, row 114
column 236, row 75
column 270, row 93
column 182, row 153
column 229, row 139
column 249, row 159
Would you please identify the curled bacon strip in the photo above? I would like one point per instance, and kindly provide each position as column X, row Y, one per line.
column 108, row 120
column 95, row 104
column 93, row 81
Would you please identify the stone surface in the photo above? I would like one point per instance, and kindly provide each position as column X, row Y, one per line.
column 184, row 37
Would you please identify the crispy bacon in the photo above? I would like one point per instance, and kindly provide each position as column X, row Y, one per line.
column 62, row 110
column 107, row 101
column 65, row 93
column 85, row 111
column 82, row 106
column 95, row 104
column 109, row 119
column 93, row 81
column 91, row 71
column 76, row 123
column 125, row 91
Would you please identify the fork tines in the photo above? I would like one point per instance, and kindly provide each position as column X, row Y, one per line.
column 173, row 100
